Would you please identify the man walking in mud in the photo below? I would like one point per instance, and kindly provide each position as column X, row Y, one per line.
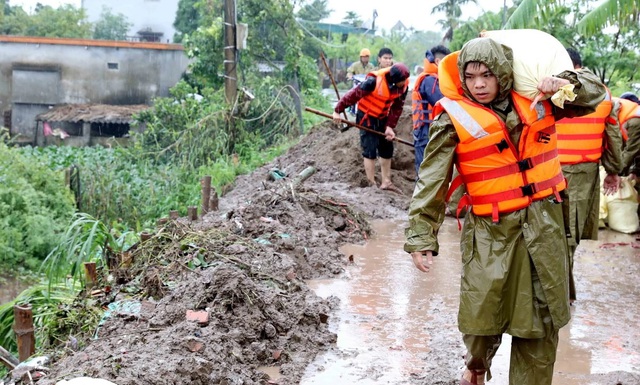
column 380, row 98
column 514, row 252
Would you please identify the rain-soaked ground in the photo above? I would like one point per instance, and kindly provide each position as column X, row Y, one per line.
column 397, row 325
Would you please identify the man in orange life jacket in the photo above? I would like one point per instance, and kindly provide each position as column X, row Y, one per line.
column 628, row 111
column 380, row 98
column 584, row 143
column 514, row 251
column 425, row 94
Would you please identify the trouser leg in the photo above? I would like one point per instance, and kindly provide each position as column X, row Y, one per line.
column 532, row 359
column 480, row 351
column 572, row 284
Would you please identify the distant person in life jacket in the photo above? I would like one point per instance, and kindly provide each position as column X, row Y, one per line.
column 362, row 66
column 425, row 95
column 627, row 108
column 385, row 58
column 584, row 143
column 380, row 98
column 514, row 251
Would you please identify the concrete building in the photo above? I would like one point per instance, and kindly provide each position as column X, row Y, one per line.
column 152, row 19
column 37, row 74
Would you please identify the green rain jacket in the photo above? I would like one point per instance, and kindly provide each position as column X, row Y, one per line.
column 582, row 206
column 631, row 153
column 499, row 291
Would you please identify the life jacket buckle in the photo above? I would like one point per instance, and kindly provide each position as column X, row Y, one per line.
column 525, row 165
column 528, row 190
column 503, row 145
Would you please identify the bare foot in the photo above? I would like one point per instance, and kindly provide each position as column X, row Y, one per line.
column 390, row 187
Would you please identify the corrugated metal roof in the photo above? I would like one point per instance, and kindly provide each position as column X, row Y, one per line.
column 92, row 113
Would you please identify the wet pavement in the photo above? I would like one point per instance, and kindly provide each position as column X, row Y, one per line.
column 396, row 325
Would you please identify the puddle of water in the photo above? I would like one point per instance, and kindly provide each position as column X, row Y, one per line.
column 388, row 308
column 272, row 371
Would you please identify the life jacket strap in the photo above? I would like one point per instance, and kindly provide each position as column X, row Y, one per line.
column 485, row 151
column 523, row 191
column 520, row 166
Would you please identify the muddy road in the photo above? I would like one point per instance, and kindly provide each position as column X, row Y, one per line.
column 397, row 325
column 309, row 285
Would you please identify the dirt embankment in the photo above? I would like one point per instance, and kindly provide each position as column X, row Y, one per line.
column 243, row 269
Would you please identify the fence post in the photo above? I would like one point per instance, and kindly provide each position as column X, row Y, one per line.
column 23, row 327
column 192, row 213
column 90, row 274
column 206, row 193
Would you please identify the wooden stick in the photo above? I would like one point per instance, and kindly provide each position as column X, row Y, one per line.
column 335, row 86
column 192, row 213
column 206, row 193
column 7, row 359
column 356, row 125
column 23, row 327
column 91, row 274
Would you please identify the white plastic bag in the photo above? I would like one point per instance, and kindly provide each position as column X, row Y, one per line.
column 536, row 55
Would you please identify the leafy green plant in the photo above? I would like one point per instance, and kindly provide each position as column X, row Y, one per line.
column 45, row 301
column 34, row 207
column 86, row 239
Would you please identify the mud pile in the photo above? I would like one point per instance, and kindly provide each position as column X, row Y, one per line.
column 212, row 301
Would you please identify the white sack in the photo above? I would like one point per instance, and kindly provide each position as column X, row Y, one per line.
column 622, row 208
column 536, row 55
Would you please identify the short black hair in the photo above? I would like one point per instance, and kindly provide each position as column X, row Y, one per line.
column 630, row 96
column 384, row 51
column 440, row 51
column 575, row 57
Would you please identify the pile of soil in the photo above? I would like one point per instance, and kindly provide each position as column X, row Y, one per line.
column 212, row 301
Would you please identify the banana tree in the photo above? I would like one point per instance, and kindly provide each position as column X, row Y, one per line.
column 612, row 12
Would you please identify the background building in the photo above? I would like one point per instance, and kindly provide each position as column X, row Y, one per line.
column 152, row 20
column 37, row 74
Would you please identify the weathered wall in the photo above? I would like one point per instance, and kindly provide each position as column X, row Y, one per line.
column 156, row 15
column 36, row 73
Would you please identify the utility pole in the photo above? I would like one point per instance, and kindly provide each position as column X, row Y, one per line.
column 230, row 52
column 230, row 66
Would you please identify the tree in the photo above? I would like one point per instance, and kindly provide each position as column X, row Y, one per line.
column 110, row 26
column 315, row 11
column 65, row 21
column 188, row 18
column 352, row 19
column 309, row 15
column 469, row 30
column 612, row 12
column 452, row 13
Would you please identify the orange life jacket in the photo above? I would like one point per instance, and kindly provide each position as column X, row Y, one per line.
column 580, row 138
column 378, row 102
column 628, row 110
column 499, row 178
column 422, row 110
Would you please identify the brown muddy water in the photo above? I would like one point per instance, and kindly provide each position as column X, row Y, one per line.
column 397, row 325
column 10, row 287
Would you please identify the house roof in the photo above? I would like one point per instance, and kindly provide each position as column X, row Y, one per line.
column 92, row 113
column 90, row 43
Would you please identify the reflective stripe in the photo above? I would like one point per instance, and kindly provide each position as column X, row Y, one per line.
column 466, row 120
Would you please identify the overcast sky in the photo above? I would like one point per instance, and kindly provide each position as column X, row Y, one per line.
column 413, row 13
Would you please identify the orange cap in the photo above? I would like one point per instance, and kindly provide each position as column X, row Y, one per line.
column 365, row 52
